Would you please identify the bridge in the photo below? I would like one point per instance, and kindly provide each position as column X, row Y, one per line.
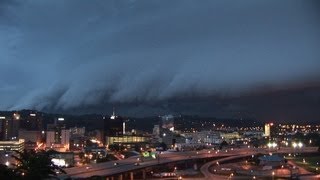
column 126, row 168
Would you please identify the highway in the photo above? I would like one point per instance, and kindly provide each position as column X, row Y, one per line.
column 208, row 175
column 127, row 165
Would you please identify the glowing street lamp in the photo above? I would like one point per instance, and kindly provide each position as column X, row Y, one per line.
column 297, row 145
column 231, row 175
column 294, row 145
column 272, row 145
column 273, row 175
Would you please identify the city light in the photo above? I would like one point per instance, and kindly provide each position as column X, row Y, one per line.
column 295, row 145
column 272, row 145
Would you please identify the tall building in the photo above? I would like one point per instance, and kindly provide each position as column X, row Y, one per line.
column 32, row 138
column 156, row 130
column 31, row 121
column 267, row 128
column 114, row 126
column 168, row 122
column 58, row 137
column 9, row 127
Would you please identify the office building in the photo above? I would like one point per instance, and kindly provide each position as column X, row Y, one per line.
column 156, row 131
column 267, row 128
column 9, row 126
column 33, row 139
column 167, row 122
column 77, row 131
column 57, row 136
column 31, row 121
column 12, row 145
column 114, row 126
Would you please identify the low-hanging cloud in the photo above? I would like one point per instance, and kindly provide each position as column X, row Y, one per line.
column 66, row 54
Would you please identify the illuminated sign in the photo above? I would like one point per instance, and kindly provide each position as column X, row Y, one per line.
column 58, row 162
column 33, row 115
column 146, row 154
column 60, row 119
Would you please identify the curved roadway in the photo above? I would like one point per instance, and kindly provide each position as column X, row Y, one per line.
column 127, row 165
column 208, row 175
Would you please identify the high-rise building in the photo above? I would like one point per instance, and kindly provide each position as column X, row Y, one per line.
column 114, row 126
column 267, row 128
column 156, row 130
column 58, row 137
column 9, row 127
column 32, row 121
column 168, row 122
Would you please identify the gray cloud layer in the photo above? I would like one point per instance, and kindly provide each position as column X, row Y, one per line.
column 66, row 54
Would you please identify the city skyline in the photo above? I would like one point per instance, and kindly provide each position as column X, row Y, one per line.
column 159, row 89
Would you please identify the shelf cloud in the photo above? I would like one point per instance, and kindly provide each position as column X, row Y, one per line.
column 69, row 54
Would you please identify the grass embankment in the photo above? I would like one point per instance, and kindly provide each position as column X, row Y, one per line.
column 310, row 163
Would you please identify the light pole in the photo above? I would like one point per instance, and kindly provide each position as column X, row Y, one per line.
column 7, row 162
column 273, row 175
column 231, row 175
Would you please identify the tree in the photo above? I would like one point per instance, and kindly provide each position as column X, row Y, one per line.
column 115, row 147
column 35, row 165
column 7, row 173
column 223, row 143
column 313, row 139
column 255, row 159
column 164, row 146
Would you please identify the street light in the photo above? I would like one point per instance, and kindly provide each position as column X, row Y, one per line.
column 273, row 175
column 294, row 145
column 231, row 175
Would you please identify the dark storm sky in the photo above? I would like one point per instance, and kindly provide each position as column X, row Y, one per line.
column 68, row 55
